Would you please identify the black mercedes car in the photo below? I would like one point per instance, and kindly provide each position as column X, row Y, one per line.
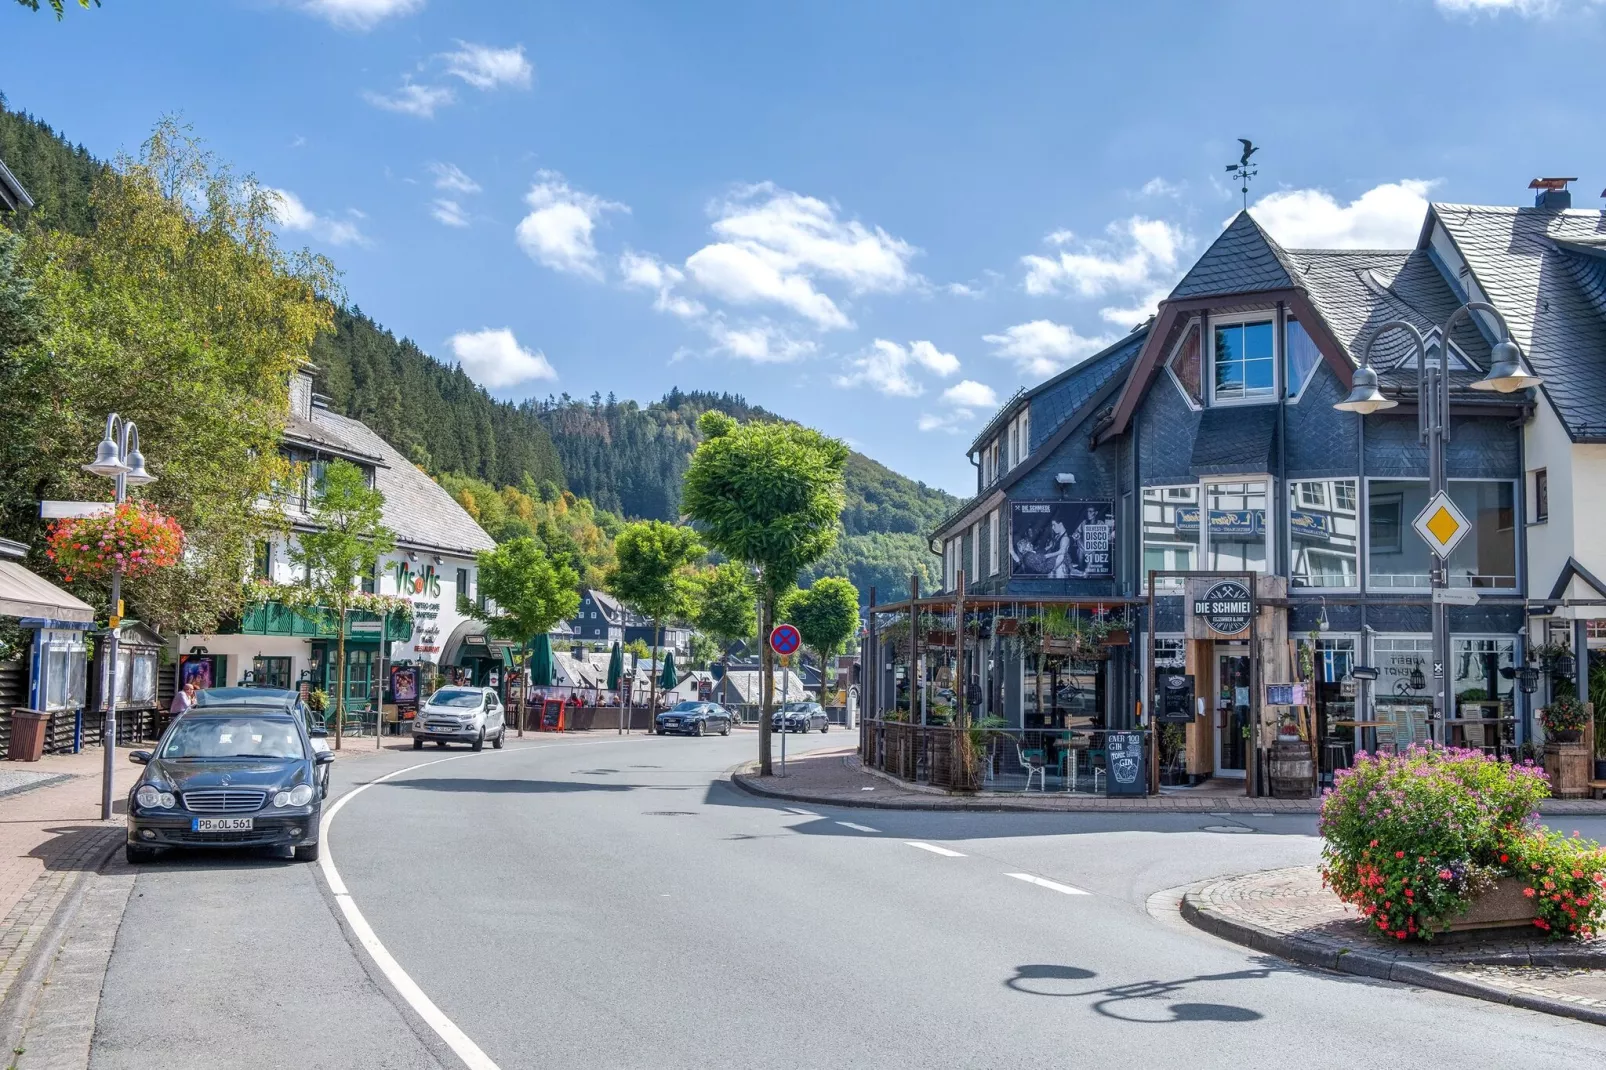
column 695, row 719
column 228, row 776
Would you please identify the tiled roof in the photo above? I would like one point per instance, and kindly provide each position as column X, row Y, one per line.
column 1062, row 396
column 325, row 438
column 1242, row 259
column 1234, row 439
column 1546, row 295
column 417, row 508
column 608, row 604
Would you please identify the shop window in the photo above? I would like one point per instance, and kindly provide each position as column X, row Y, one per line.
column 1243, row 362
column 359, row 674
column 272, row 672
column 1393, row 561
column 1487, row 557
column 1324, row 530
column 1237, row 535
column 1170, row 532
column 1185, row 367
column 1170, row 653
column 1402, row 694
column 1300, row 358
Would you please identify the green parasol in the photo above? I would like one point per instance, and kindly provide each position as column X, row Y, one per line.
column 616, row 667
column 541, row 662
column 670, row 677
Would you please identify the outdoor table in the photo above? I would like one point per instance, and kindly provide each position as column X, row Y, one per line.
column 1365, row 732
column 1068, row 746
column 1463, row 722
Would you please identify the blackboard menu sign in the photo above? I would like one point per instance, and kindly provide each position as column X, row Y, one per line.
column 1176, row 699
column 1124, row 754
column 551, row 714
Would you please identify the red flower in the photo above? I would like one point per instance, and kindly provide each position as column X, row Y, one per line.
column 1399, row 854
column 1529, row 892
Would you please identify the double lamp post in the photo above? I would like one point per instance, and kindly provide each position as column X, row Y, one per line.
column 117, row 457
column 1506, row 376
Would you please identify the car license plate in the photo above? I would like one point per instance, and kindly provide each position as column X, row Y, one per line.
column 222, row 824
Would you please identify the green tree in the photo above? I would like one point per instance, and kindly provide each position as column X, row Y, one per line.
column 768, row 495
column 179, row 311
column 652, row 574
column 348, row 539
column 58, row 6
column 725, row 609
column 532, row 592
column 826, row 615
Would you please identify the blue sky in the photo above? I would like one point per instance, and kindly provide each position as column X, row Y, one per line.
column 877, row 218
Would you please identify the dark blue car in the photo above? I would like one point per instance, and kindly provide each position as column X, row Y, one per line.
column 228, row 776
column 694, row 719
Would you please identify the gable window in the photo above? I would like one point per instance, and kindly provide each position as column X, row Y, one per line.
column 1300, row 358
column 1541, row 496
column 1185, row 367
column 1243, row 361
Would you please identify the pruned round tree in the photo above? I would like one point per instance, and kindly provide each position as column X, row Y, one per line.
column 651, row 575
column 826, row 616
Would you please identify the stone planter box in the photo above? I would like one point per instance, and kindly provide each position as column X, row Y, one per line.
column 1502, row 907
column 1568, row 767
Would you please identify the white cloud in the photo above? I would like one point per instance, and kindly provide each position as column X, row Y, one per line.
column 448, row 212
column 776, row 247
column 449, row 176
column 1388, row 216
column 761, row 343
column 1043, row 347
column 484, row 67
column 644, row 271
column 1159, row 187
column 294, row 215
column 1129, row 316
column 1524, row 8
column 412, row 99
column 962, row 399
column 360, row 14
column 558, row 230
column 1137, row 253
column 493, row 358
column 885, row 367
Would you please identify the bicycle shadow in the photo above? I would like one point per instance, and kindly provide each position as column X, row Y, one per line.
column 1062, row 982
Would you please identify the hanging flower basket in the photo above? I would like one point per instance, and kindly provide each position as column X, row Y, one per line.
column 136, row 537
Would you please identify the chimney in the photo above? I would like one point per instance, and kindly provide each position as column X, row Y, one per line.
column 1551, row 194
column 301, row 390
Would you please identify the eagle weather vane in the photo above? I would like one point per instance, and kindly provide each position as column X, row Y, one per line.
column 1241, row 170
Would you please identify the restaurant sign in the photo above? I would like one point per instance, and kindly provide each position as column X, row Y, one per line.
column 1226, row 607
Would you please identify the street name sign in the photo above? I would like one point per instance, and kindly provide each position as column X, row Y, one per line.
column 1441, row 525
column 1455, row 596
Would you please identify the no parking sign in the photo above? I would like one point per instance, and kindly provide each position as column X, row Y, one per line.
column 785, row 639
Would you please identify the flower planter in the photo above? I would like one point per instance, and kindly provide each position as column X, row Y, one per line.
column 1117, row 638
column 1568, row 767
column 1600, row 768
column 938, row 638
column 1502, row 907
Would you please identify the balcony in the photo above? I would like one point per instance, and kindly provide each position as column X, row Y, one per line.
column 276, row 618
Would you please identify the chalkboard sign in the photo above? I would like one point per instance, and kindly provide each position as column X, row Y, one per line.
column 1176, row 699
column 552, row 715
column 1124, row 755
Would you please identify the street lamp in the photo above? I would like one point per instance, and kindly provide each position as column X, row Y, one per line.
column 1506, row 375
column 117, row 457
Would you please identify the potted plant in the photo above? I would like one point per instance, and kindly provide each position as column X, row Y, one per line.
column 1563, row 719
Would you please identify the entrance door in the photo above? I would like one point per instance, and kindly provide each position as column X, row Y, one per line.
column 1232, row 713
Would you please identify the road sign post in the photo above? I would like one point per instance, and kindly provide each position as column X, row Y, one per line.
column 1442, row 526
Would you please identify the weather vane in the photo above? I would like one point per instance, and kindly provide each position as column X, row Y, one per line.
column 1241, row 170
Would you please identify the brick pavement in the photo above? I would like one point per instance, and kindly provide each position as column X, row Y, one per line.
column 1288, row 913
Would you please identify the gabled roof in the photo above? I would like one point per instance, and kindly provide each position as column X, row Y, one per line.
column 325, row 439
column 12, row 195
column 1537, row 267
column 608, row 604
column 1243, row 259
column 417, row 509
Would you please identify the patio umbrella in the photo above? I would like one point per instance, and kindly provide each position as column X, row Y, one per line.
column 670, row 677
column 541, row 662
column 616, row 667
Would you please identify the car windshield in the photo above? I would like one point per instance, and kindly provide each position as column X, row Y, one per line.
column 457, row 699
column 798, row 707
column 233, row 737
column 686, row 707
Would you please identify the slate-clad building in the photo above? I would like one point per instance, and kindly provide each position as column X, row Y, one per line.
column 1206, row 441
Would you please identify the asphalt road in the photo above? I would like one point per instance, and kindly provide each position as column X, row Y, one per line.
column 614, row 903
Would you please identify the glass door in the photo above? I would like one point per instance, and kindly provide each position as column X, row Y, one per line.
column 1232, row 713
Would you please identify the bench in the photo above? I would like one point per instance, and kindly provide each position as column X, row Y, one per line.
column 1595, row 787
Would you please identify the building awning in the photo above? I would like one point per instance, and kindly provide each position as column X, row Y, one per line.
column 22, row 594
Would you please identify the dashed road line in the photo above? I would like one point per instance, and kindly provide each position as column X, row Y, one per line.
column 934, row 849
column 800, row 810
column 1043, row 882
column 857, row 828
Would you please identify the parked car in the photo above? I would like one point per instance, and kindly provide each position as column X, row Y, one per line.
column 272, row 698
column 228, row 776
column 469, row 715
column 691, row 718
column 800, row 717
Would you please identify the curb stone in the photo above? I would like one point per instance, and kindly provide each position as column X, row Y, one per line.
column 1364, row 963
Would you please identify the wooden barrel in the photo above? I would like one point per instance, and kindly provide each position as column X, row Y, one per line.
column 1292, row 774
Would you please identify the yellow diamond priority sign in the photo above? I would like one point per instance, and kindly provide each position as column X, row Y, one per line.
column 1441, row 524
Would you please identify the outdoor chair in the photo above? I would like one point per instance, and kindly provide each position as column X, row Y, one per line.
column 1032, row 761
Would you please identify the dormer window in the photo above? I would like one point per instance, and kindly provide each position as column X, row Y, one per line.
column 1243, row 361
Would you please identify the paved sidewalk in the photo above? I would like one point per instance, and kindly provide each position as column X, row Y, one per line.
column 1288, row 913
column 837, row 778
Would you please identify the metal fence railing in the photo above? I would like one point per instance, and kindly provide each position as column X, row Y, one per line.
column 1007, row 759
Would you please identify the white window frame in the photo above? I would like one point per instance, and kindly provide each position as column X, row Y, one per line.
column 992, row 543
column 1207, row 343
column 975, row 552
column 1361, row 532
column 1295, row 391
column 1204, row 364
column 1201, row 546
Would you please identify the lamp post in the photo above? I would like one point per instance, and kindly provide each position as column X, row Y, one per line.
column 1506, row 375
column 117, row 457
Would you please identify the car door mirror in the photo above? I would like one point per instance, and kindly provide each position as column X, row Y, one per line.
column 140, row 757
column 323, row 757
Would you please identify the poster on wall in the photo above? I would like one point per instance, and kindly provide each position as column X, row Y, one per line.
column 199, row 669
column 1069, row 540
column 403, row 683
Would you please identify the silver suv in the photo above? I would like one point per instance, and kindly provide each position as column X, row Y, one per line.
column 455, row 714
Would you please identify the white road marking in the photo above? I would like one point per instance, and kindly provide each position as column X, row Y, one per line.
column 934, row 849
column 1043, row 882
column 857, row 828
column 800, row 810
column 405, row 986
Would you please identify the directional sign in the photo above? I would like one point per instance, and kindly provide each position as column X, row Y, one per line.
column 785, row 639
column 1441, row 524
column 64, row 510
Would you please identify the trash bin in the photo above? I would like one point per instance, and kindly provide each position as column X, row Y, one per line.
column 28, row 734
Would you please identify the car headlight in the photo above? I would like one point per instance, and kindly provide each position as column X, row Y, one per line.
column 154, row 798
column 300, row 795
